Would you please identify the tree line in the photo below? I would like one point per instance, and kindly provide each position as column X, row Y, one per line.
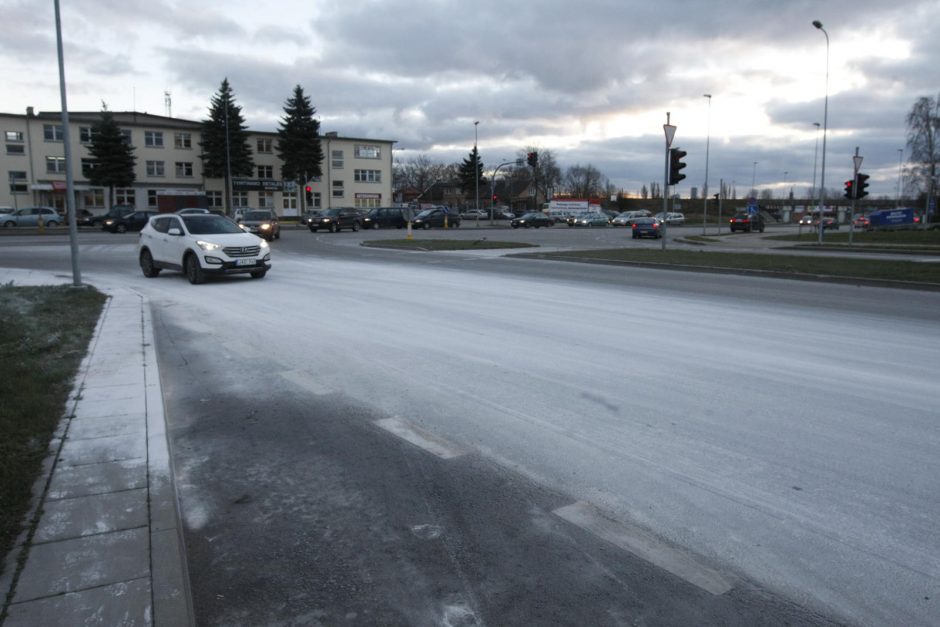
column 225, row 150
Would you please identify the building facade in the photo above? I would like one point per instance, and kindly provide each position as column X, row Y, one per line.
column 356, row 172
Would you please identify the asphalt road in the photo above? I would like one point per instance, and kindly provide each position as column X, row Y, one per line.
column 377, row 437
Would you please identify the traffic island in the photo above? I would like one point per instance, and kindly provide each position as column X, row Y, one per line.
column 444, row 244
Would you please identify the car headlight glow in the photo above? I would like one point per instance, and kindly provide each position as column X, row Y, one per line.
column 264, row 243
column 207, row 245
column 265, row 227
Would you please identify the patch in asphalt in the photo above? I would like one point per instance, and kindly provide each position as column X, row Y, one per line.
column 420, row 438
column 644, row 545
column 307, row 381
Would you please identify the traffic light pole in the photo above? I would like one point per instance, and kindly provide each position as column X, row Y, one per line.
column 856, row 190
column 670, row 132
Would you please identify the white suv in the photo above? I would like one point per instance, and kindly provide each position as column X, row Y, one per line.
column 201, row 245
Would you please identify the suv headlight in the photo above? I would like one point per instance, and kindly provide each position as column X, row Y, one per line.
column 264, row 244
column 207, row 246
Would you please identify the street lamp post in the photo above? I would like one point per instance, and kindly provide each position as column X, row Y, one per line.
column 708, row 136
column 476, row 165
column 69, row 177
column 822, row 176
column 493, row 187
column 815, row 158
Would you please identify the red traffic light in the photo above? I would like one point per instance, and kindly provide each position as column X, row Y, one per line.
column 308, row 188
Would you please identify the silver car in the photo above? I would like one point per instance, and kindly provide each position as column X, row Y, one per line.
column 30, row 216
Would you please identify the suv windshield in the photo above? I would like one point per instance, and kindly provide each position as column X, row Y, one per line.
column 207, row 224
column 257, row 215
column 331, row 212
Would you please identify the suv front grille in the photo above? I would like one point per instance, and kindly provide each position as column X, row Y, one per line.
column 242, row 251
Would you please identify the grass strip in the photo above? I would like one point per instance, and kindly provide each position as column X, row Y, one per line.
column 43, row 339
column 444, row 244
column 917, row 238
column 885, row 270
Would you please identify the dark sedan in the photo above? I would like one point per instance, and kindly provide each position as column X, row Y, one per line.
column 131, row 222
column 337, row 219
column 436, row 217
column 261, row 222
column 747, row 222
column 535, row 219
column 646, row 227
column 385, row 217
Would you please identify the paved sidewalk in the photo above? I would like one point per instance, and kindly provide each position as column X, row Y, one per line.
column 108, row 546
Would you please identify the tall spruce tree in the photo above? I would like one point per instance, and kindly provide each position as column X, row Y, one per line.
column 112, row 157
column 221, row 157
column 298, row 142
column 471, row 171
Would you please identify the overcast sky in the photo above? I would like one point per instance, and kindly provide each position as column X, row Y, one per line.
column 591, row 80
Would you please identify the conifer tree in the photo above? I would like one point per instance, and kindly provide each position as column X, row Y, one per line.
column 112, row 157
column 225, row 147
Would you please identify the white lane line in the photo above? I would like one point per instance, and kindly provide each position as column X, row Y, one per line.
column 420, row 438
column 307, row 381
column 645, row 546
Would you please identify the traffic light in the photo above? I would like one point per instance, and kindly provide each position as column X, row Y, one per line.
column 309, row 190
column 675, row 165
column 532, row 159
column 495, row 199
column 849, row 190
column 862, row 185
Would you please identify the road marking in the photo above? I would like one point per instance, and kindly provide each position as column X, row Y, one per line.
column 645, row 546
column 307, row 381
column 420, row 438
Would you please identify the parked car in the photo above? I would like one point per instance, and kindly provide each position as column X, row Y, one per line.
column 436, row 217
column 589, row 219
column 628, row 217
column 474, row 214
column 201, row 245
column 30, row 216
column 646, row 227
column 133, row 221
column 4, row 210
column 672, row 218
column 84, row 217
column 862, row 222
column 337, row 219
column 747, row 222
column 116, row 211
column 263, row 223
column 385, row 217
column 535, row 218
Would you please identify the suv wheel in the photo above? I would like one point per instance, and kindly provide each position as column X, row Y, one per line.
column 193, row 270
column 146, row 264
column 121, row 228
column 427, row 225
column 355, row 226
column 375, row 226
column 334, row 228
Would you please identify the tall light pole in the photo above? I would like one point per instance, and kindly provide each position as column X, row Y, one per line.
column 812, row 193
column 900, row 155
column 822, row 176
column 476, row 164
column 69, row 177
column 708, row 137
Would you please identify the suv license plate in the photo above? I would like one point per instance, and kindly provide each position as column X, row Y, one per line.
column 244, row 262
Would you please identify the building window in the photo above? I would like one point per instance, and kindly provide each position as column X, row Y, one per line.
column 152, row 201
column 155, row 168
column 266, row 200
column 338, row 189
column 184, row 169
column 153, row 139
column 368, row 176
column 337, row 159
column 52, row 132
column 265, row 146
column 289, row 201
column 214, row 199
column 88, row 164
column 16, row 149
column 183, row 141
column 18, row 183
column 368, row 152
column 55, row 165
column 14, row 136
column 239, row 199
column 368, row 203
column 93, row 198
column 265, row 171
column 84, row 134
column 125, row 196
column 317, row 201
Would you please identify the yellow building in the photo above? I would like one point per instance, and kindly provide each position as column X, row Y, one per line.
column 356, row 172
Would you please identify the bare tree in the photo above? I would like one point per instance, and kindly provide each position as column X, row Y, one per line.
column 923, row 142
column 420, row 172
column 644, row 193
column 584, row 181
